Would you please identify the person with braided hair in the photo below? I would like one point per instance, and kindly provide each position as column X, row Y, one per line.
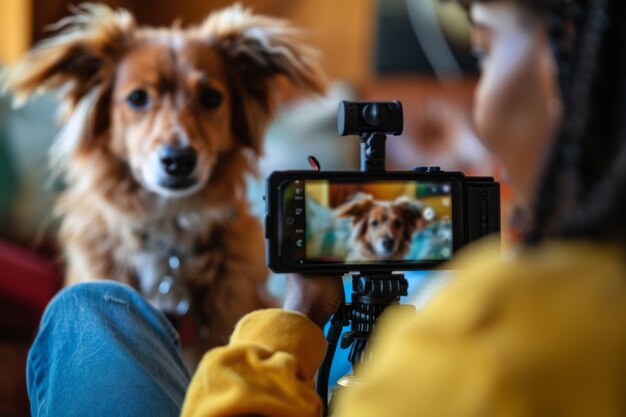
column 539, row 332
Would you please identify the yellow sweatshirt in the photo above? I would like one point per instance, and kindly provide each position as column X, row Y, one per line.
column 540, row 334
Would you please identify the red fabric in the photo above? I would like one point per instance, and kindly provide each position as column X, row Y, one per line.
column 27, row 282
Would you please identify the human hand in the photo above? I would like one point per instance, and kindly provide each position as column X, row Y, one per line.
column 315, row 296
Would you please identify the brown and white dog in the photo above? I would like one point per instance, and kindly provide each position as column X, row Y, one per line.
column 160, row 128
column 382, row 230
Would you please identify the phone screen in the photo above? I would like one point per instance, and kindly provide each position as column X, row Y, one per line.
column 366, row 222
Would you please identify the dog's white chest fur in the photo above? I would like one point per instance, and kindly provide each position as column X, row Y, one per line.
column 171, row 249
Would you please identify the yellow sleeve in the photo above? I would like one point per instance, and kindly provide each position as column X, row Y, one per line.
column 267, row 369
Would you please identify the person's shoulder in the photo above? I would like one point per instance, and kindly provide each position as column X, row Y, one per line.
column 535, row 324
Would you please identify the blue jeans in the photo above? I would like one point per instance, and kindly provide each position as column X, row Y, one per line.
column 102, row 350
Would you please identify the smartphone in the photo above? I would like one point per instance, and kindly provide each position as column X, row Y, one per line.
column 339, row 222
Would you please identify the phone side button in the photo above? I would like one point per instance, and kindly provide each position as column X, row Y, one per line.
column 267, row 227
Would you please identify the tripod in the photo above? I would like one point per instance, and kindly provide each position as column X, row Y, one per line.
column 372, row 292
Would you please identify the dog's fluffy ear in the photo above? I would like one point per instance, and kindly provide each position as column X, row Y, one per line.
column 415, row 210
column 79, row 62
column 416, row 214
column 78, row 58
column 357, row 208
column 256, row 50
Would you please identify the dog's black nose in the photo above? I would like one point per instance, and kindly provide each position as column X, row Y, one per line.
column 388, row 243
column 178, row 161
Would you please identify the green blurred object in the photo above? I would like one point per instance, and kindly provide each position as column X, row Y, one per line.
column 8, row 178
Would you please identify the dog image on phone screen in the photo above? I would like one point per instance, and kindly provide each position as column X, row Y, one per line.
column 382, row 230
column 160, row 127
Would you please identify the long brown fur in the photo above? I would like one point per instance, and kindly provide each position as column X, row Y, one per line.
column 111, row 225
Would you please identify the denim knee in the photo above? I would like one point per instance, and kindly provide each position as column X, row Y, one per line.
column 104, row 337
column 79, row 294
column 90, row 300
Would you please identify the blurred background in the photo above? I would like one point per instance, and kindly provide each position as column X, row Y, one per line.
column 416, row 51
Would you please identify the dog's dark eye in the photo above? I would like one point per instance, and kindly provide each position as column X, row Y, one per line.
column 397, row 223
column 374, row 223
column 210, row 98
column 138, row 99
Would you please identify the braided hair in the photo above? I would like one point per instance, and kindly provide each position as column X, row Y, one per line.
column 582, row 188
